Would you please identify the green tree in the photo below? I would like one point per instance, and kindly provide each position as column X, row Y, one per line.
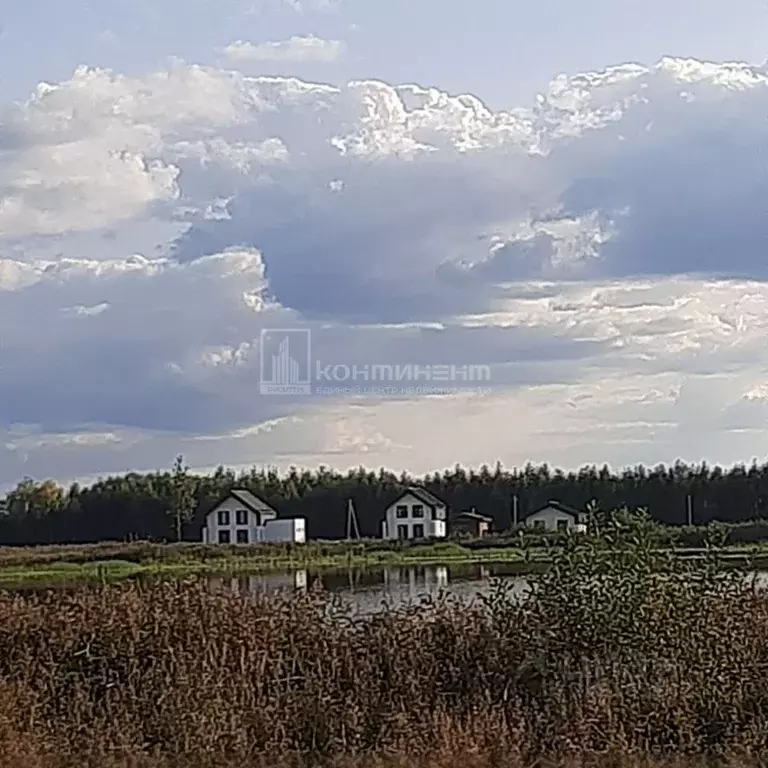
column 182, row 508
column 36, row 499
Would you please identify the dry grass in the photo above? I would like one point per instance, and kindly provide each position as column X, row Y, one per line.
column 136, row 552
column 146, row 552
column 614, row 660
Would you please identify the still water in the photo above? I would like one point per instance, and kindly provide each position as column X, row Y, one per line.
column 367, row 591
column 370, row 590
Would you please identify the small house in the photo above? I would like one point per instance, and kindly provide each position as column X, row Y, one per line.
column 415, row 514
column 243, row 518
column 555, row 516
column 471, row 523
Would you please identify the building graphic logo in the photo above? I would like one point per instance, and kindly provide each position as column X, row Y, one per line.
column 285, row 362
column 286, row 368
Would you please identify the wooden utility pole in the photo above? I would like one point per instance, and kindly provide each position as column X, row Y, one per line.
column 514, row 511
column 353, row 530
column 689, row 508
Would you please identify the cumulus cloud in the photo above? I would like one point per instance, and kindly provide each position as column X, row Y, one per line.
column 600, row 250
column 296, row 49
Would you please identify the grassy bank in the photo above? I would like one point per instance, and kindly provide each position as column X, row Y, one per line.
column 113, row 561
column 621, row 655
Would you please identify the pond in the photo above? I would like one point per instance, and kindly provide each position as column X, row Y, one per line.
column 369, row 590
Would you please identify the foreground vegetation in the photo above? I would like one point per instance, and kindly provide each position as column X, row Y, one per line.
column 620, row 654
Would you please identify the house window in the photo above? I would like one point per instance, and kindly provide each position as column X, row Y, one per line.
column 539, row 525
column 562, row 526
column 402, row 511
column 418, row 531
column 242, row 536
column 417, row 511
column 402, row 531
column 223, row 517
column 241, row 516
column 224, row 537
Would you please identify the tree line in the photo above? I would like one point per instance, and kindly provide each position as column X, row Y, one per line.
column 171, row 504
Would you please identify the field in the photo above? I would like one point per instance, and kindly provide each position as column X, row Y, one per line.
column 621, row 655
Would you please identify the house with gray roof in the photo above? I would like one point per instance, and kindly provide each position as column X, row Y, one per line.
column 555, row 516
column 415, row 514
column 241, row 517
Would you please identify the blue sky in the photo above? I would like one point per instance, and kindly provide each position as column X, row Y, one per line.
column 502, row 51
column 587, row 220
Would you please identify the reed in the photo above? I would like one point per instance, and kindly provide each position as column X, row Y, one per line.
column 619, row 656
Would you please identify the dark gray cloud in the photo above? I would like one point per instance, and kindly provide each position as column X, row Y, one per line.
column 690, row 178
column 375, row 249
column 175, row 347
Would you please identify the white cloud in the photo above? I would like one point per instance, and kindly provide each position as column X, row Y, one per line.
column 602, row 250
column 102, row 147
column 295, row 49
column 87, row 152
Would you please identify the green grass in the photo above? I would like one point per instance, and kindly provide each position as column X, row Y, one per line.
column 113, row 562
column 95, row 571
column 266, row 561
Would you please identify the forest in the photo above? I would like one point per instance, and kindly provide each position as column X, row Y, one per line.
column 170, row 505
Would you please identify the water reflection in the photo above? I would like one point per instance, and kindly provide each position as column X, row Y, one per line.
column 245, row 585
column 367, row 589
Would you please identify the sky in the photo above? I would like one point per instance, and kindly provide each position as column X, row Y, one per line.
column 565, row 200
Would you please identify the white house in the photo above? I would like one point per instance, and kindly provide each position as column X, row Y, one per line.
column 415, row 514
column 555, row 516
column 242, row 518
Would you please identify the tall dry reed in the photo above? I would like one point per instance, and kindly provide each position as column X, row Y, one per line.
column 617, row 651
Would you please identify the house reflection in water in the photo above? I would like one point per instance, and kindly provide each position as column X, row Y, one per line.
column 405, row 582
column 366, row 592
column 249, row 585
column 416, row 580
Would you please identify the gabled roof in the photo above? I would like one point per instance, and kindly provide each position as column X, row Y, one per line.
column 560, row 507
column 422, row 494
column 249, row 501
column 474, row 516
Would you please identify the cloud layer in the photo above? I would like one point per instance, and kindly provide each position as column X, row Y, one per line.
column 601, row 250
column 296, row 48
